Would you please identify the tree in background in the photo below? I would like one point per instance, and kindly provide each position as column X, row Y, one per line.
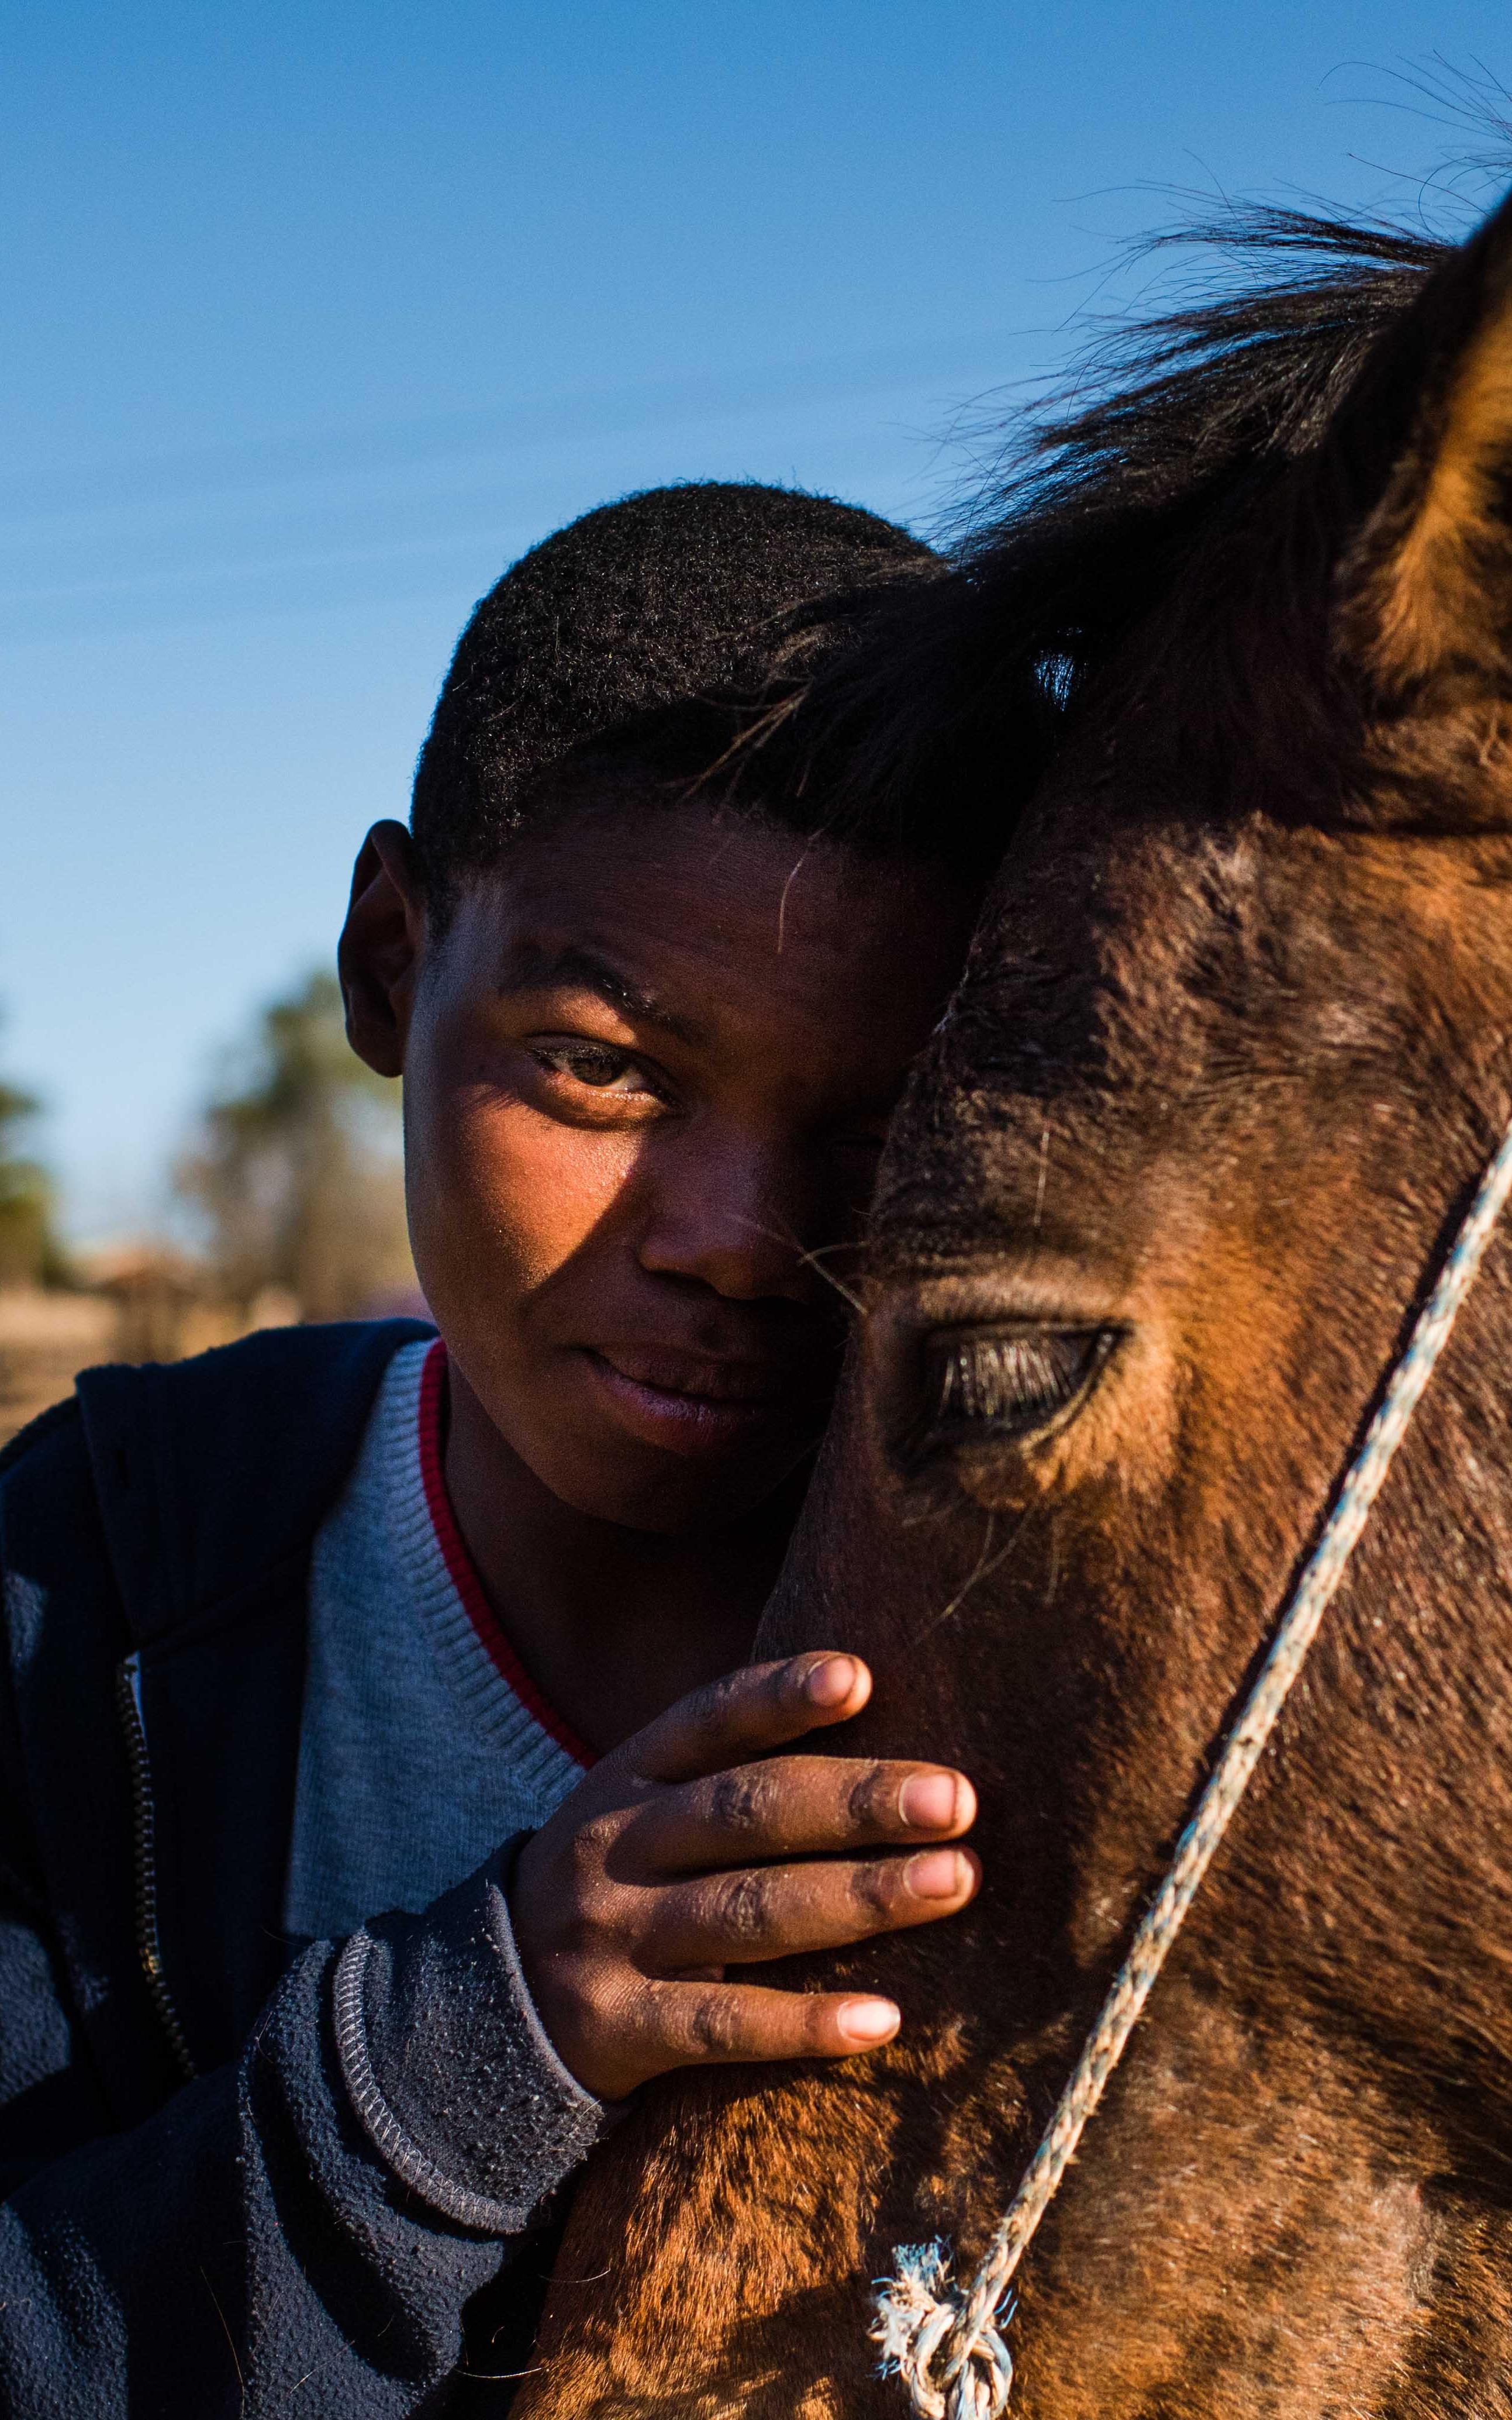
column 30, row 1253
column 298, row 1171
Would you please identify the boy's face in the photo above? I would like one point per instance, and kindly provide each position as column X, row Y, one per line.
column 647, row 1070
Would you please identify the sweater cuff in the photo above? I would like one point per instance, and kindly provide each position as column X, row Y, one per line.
column 449, row 2068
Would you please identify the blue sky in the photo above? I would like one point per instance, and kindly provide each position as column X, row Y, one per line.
column 314, row 317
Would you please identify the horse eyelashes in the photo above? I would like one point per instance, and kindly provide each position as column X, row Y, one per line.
column 1008, row 1382
column 1000, row 1383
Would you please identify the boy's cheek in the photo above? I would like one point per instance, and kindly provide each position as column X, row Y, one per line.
column 502, row 1198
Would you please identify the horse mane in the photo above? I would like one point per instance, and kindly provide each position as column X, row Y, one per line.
column 1168, row 424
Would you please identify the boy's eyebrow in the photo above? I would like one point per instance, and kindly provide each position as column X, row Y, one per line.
column 539, row 969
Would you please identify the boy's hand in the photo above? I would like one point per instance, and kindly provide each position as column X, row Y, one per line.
column 675, row 1859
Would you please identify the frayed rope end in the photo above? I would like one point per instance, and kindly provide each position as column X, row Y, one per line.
column 916, row 2310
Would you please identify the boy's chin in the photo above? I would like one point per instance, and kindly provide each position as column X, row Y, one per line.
column 666, row 1495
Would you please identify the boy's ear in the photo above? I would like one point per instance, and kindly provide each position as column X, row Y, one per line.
column 381, row 943
column 1422, row 450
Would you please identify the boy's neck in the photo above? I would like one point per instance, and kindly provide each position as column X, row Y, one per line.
column 613, row 1624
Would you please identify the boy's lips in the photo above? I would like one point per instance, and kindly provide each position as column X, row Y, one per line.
column 692, row 1402
column 716, row 1378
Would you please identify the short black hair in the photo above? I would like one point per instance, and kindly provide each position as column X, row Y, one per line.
column 650, row 634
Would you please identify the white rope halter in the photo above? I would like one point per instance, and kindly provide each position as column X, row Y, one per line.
column 944, row 2341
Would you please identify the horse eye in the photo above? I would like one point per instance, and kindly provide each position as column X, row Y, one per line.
column 1004, row 1383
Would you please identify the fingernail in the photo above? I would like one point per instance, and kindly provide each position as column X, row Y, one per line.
column 831, row 1683
column 927, row 1800
column 869, row 2021
column 938, row 1874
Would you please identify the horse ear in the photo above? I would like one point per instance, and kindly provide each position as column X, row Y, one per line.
column 1423, row 592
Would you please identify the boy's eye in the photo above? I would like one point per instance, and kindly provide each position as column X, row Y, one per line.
column 597, row 1064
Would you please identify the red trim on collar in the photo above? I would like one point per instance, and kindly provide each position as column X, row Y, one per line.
column 460, row 1565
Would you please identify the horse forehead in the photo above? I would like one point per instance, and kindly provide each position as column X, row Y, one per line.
column 1148, row 939
column 1172, row 1007
column 1094, row 965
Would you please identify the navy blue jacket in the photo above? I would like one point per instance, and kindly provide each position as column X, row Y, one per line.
column 241, row 2174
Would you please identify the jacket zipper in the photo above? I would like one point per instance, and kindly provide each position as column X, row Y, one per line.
column 144, row 1860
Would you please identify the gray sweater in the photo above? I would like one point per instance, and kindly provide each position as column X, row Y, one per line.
column 423, row 1750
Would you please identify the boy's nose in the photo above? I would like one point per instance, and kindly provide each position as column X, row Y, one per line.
column 735, row 1219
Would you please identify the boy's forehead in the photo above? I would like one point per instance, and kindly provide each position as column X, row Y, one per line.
column 670, row 916
column 675, row 879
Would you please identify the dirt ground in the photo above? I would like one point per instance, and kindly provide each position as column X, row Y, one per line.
column 47, row 1337
column 44, row 1338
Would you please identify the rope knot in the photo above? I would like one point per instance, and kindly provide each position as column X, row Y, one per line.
column 955, row 2365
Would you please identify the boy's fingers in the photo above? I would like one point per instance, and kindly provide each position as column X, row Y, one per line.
column 762, row 1706
column 777, row 1911
column 706, row 2025
column 796, row 1807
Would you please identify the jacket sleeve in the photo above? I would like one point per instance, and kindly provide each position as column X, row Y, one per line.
column 302, row 2229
